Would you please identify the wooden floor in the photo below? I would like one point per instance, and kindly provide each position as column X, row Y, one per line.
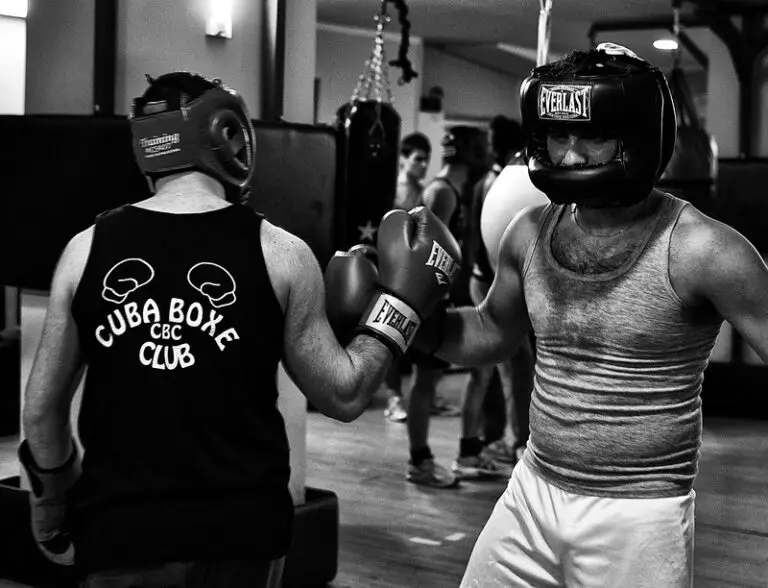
column 396, row 535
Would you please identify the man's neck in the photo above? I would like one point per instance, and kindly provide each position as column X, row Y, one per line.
column 605, row 221
column 406, row 178
column 187, row 193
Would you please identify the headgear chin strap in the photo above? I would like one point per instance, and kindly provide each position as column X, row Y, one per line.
column 614, row 94
column 212, row 134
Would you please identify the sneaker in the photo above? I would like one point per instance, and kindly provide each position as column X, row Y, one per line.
column 479, row 466
column 501, row 451
column 429, row 473
column 395, row 411
column 441, row 407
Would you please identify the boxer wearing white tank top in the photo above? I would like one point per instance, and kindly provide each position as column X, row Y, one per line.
column 626, row 289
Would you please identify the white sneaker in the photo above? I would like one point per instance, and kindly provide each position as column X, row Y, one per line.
column 479, row 466
column 429, row 473
column 395, row 411
column 501, row 451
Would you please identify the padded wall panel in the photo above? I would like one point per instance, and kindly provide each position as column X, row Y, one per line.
column 59, row 172
column 294, row 183
column 741, row 199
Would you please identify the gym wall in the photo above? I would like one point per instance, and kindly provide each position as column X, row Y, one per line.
column 471, row 91
column 13, row 32
column 152, row 37
column 156, row 37
column 762, row 113
column 341, row 56
column 59, row 72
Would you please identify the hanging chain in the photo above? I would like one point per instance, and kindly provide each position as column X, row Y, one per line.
column 402, row 61
column 373, row 84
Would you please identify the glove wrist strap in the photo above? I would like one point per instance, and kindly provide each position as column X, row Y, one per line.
column 39, row 478
column 390, row 320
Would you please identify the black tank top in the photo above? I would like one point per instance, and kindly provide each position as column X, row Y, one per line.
column 457, row 224
column 482, row 269
column 185, row 451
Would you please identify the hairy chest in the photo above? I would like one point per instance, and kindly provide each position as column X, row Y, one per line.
column 586, row 254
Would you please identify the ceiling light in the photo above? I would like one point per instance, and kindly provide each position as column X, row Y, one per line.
column 219, row 22
column 665, row 44
column 16, row 8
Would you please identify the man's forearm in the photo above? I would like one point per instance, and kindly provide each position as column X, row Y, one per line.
column 49, row 435
column 470, row 339
column 369, row 362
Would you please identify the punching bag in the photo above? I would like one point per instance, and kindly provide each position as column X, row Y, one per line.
column 510, row 193
column 371, row 138
column 370, row 145
column 692, row 170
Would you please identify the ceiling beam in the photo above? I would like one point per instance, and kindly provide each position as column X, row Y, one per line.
column 665, row 21
column 452, row 51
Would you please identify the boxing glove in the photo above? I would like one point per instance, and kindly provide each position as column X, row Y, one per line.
column 419, row 261
column 48, row 504
column 350, row 283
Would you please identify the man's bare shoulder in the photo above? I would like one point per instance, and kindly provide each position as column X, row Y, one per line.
column 290, row 262
column 530, row 217
column 436, row 187
column 80, row 245
column 525, row 224
column 703, row 251
column 284, row 249
column 696, row 235
column 291, row 265
column 521, row 232
column 439, row 198
column 74, row 258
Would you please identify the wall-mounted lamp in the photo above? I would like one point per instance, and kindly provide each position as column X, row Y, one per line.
column 219, row 22
column 665, row 44
column 17, row 8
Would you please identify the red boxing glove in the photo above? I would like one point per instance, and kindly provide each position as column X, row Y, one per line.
column 350, row 283
column 419, row 261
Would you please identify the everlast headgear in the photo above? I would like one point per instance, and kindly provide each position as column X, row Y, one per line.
column 184, row 122
column 607, row 92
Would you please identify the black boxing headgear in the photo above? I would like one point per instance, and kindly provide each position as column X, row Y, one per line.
column 185, row 122
column 464, row 145
column 611, row 93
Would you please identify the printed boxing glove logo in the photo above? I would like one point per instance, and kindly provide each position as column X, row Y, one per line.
column 125, row 277
column 213, row 282
column 446, row 267
column 394, row 319
column 168, row 324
